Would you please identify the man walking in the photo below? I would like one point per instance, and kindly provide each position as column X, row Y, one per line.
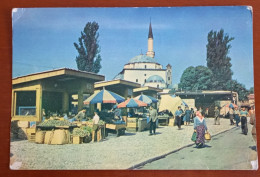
column 231, row 116
column 153, row 119
column 217, row 121
column 178, row 115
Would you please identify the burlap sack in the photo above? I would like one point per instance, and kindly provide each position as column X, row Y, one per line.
column 59, row 137
column 48, row 137
column 39, row 137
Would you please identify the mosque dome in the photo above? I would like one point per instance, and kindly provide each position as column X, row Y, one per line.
column 155, row 79
column 142, row 59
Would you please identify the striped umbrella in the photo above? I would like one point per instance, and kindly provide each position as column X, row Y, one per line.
column 104, row 96
column 147, row 99
column 132, row 103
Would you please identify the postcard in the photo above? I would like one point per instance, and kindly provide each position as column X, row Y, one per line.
column 163, row 88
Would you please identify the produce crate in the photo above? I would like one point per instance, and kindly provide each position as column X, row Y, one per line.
column 31, row 137
column 31, row 132
column 89, row 124
column 171, row 122
column 77, row 140
column 132, row 122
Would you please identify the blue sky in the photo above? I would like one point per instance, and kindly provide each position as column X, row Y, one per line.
column 43, row 37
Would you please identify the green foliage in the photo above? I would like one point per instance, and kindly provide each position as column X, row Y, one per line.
column 196, row 78
column 251, row 90
column 218, row 60
column 234, row 85
column 89, row 58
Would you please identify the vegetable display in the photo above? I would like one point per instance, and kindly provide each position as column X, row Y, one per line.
column 53, row 123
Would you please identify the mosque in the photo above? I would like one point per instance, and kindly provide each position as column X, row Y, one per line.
column 145, row 70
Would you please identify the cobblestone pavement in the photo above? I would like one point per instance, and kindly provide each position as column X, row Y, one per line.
column 113, row 153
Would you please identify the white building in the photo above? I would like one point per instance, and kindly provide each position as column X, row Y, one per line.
column 145, row 70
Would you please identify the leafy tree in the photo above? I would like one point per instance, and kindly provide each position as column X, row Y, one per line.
column 196, row 78
column 218, row 60
column 251, row 90
column 234, row 85
column 89, row 51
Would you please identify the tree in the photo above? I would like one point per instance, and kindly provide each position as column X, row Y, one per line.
column 196, row 78
column 89, row 51
column 218, row 60
column 251, row 90
column 234, row 85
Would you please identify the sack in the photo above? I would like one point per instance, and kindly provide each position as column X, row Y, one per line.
column 39, row 137
column 207, row 136
column 48, row 137
column 194, row 137
column 59, row 137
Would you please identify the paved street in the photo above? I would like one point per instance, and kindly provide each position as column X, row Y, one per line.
column 122, row 152
column 227, row 151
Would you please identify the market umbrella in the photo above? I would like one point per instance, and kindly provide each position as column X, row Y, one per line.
column 104, row 96
column 132, row 103
column 169, row 103
column 231, row 105
column 147, row 99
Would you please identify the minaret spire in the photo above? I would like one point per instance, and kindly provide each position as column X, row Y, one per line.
column 150, row 35
column 150, row 51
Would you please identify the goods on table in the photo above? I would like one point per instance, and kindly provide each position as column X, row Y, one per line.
column 39, row 138
column 82, row 132
column 59, row 137
column 53, row 123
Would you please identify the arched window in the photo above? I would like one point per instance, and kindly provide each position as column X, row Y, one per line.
column 145, row 81
column 145, row 66
column 136, row 80
column 157, row 85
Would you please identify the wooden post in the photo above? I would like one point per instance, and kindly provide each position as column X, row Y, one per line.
column 80, row 100
column 65, row 102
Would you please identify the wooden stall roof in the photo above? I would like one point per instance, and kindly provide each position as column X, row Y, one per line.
column 57, row 72
column 206, row 92
column 116, row 82
column 147, row 88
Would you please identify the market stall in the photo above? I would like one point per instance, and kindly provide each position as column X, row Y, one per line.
column 134, row 121
column 105, row 96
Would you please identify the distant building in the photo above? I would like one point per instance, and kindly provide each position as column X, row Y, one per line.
column 145, row 70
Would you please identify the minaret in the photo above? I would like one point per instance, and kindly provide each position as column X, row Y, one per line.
column 150, row 51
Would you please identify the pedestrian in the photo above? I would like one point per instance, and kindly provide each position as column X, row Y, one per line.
column 243, row 114
column 117, row 113
column 252, row 122
column 178, row 115
column 153, row 119
column 187, row 116
column 207, row 113
column 192, row 114
column 95, row 125
column 200, row 110
column 200, row 127
column 80, row 116
column 217, row 118
column 236, row 116
column 231, row 116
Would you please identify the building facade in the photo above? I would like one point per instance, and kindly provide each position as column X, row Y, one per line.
column 145, row 70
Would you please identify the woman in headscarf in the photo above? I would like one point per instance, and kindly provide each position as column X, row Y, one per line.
column 200, row 127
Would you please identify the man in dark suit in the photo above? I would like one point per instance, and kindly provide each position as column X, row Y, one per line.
column 153, row 119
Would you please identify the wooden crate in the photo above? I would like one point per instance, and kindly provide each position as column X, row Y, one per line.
column 132, row 125
column 171, row 122
column 31, row 137
column 77, row 140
